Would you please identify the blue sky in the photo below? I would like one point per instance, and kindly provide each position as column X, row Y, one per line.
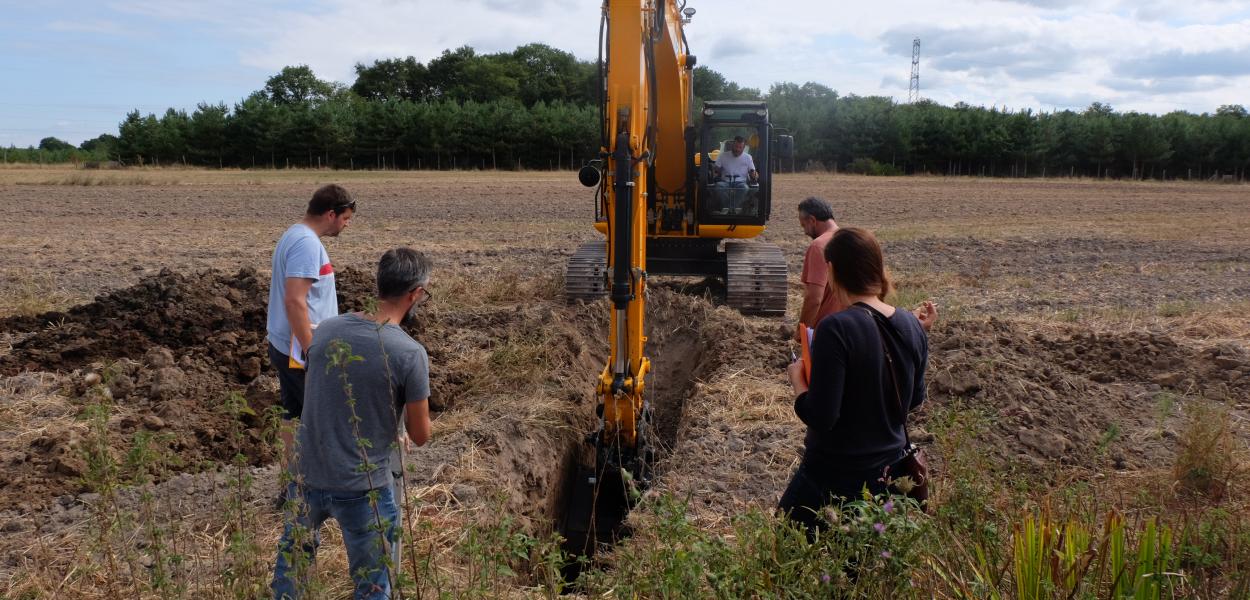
column 73, row 69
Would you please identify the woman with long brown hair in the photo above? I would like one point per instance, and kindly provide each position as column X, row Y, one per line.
column 856, row 435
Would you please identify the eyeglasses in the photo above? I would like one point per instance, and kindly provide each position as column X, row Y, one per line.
column 428, row 295
column 338, row 210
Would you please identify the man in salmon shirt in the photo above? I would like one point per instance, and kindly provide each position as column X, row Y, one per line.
column 816, row 219
column 819, row 301
column 302, row 294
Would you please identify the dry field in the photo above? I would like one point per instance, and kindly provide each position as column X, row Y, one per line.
column 1081, row 322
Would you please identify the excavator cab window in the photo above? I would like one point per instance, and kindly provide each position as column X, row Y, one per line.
column 731, row 190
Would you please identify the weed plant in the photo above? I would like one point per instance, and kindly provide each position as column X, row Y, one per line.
column 244, row 573
column 868, row 550
column 113, row 562
column 135, row 543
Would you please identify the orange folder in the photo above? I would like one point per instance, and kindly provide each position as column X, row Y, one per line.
column 806, row 334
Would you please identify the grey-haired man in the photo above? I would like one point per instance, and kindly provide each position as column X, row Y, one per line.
column 366, row 376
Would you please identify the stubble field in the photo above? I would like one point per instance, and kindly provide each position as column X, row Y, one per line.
column 1085, row 325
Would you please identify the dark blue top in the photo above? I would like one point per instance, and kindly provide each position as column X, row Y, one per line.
column 853, row 419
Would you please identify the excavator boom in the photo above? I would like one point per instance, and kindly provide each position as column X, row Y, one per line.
column 660, row 208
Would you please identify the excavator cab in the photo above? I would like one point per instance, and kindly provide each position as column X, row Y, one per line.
column 703, row 226
column 725, row 194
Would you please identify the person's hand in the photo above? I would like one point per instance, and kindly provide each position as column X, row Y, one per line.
column 927, row 314
column 795, row 372
column 405, row 444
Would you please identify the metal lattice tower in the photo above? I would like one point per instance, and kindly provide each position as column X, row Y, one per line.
column 913, row 93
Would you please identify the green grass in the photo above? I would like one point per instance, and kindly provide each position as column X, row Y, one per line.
column 27, row 293
column 1179, row 308
column 908, row 297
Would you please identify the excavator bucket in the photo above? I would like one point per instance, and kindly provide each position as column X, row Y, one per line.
column 596, row 504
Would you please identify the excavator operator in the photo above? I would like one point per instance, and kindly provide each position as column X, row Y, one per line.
column 736, row 168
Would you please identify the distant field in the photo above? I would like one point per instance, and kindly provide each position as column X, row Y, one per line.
column 1159, row 242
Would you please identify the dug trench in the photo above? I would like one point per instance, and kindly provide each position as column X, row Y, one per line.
column 593, row 503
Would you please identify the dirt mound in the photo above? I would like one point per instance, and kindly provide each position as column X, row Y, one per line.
column 171, row 348
column 210, row 315
column 168, row 352
column 1069, row 395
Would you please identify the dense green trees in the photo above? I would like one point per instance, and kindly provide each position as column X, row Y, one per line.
column 874, row 134
column 536, row 107
column 533, row 107
column 54, row 144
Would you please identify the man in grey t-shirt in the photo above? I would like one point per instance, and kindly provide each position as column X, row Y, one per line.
column 366, row 376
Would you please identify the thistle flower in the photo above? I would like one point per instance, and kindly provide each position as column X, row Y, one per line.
column 824, row 578
column 878, row 527
column 888, row 507
column 886, row 554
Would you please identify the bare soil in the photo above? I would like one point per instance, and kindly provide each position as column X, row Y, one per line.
column 1074, row 313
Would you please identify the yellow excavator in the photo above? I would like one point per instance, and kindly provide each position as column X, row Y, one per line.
column 667, row 202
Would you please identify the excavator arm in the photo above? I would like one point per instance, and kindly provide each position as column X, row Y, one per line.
column 646, row 115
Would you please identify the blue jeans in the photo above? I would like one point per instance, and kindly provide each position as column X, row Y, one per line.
column 361, row 535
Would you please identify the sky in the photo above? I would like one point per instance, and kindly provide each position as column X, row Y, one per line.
column 73, row 69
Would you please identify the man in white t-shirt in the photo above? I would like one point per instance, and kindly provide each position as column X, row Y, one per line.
column 736, row 168
column 302, row 294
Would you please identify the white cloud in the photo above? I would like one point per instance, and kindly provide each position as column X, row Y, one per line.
column 333, row 40
column 985, row 52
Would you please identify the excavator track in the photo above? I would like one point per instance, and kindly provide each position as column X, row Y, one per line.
column 755, row 279
column 585, row 277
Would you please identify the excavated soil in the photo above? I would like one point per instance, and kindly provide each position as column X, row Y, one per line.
column 169, row 351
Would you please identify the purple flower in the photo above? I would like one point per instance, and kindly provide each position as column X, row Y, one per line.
column 886, row 554
column 824, row 578
column 888, row 507
column 878, row 527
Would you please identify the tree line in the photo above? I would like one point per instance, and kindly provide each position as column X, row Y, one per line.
column 537, row 107
column 876, row 135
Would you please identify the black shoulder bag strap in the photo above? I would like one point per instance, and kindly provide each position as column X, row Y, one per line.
column 913, row 463
column 877, row 319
